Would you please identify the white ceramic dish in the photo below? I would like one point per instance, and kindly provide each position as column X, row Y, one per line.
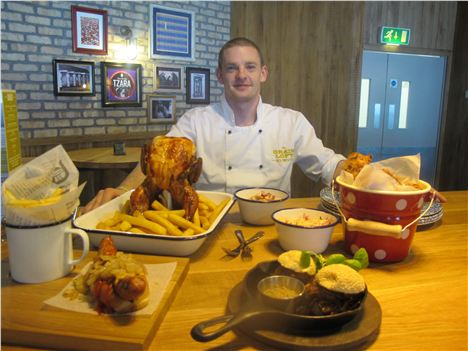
column 258, row 212
column 297, row 237
column 148, row 243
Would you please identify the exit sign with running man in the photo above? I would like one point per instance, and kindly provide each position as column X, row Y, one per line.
column 395, row 36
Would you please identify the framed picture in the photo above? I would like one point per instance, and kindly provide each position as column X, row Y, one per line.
column 121, row 84
column 172, row 34
column 198, row 85
column 89, row 30
column 73, row 78
column 161, row 109
column 168, row 78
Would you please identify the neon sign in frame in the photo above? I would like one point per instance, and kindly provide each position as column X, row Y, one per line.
column 172, row 34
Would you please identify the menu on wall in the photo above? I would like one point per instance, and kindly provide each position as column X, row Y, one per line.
column 11, row 143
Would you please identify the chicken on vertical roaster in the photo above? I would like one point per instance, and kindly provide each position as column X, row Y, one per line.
column 169, row 163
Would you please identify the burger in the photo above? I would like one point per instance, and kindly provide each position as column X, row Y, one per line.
column 292, row 263
column 334, row 289
column 115, row 282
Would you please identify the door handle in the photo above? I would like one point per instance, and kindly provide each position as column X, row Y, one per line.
column 391, row 116
column 377, row 114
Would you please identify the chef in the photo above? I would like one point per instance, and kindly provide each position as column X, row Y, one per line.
column 243, row 141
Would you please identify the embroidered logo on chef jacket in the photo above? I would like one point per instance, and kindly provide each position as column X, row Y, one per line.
column 283, row 155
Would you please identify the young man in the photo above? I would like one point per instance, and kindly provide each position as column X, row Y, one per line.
column 243, row 141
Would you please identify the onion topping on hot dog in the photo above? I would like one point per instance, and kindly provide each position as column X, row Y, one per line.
column 115, row 282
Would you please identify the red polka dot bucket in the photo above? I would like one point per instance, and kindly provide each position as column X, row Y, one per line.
column 382, row 222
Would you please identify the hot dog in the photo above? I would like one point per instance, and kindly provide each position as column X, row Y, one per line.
column 115, row 281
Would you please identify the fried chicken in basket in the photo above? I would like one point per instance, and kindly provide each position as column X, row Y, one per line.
column 355, row 162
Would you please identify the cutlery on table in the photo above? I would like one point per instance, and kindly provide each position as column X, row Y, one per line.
column 243, row 244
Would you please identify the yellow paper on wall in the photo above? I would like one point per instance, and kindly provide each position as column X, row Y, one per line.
column 10, row 131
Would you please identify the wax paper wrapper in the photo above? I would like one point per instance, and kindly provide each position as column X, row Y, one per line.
column 158, row 277
column 392, row 174
column 45, row 190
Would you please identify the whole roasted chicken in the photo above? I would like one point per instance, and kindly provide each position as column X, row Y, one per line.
column 169, row 163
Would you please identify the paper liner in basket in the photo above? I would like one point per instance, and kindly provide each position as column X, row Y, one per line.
column 42, row 191
column 392, row 174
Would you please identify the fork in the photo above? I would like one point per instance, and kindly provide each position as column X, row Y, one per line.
column 242, row 243
column 246, row 250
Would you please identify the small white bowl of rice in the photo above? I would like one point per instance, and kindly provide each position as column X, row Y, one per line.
column 304, row 229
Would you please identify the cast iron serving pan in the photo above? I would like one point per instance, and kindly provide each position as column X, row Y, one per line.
column 249, row 313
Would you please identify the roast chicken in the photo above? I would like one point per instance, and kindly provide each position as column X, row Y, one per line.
column 170, row 164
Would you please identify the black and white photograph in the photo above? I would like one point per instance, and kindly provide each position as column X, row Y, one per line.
column 168, row 78
column 73, row 78
column 198, row 85
column 161, row 109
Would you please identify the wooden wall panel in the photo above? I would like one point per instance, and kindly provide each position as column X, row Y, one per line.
column 313, row 50
column 431, row 22
column 454, row 164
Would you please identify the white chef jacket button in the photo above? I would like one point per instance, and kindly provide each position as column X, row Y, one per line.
column 229, row 132
column 229, row 168
column 261, row 166
column 259, row 130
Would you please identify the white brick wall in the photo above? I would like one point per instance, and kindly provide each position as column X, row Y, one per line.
column 35, row 33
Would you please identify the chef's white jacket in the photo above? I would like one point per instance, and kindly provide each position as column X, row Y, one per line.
column 262, row 154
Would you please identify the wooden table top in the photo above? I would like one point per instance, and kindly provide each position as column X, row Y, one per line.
column 104, row 158
column 423, row 298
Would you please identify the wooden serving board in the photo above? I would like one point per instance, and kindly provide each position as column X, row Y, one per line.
column 26, row 320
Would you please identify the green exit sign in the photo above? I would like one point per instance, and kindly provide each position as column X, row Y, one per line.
column 395, row 36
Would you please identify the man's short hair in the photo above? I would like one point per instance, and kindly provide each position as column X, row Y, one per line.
column 240, row 41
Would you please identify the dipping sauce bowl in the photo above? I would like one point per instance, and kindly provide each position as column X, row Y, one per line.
column 280, row 291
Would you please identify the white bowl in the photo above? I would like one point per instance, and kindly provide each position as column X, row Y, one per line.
column 258, row 212
column 148, row 243
column 299, row 237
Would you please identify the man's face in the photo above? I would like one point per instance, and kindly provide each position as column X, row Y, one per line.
column 241, row 74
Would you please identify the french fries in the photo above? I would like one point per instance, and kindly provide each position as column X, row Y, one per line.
column 156, row 205
column 171, row 228
column 183, row 223
column 14, row 201
column 163, row 221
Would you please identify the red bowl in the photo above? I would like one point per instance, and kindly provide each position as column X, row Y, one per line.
column 387, row 207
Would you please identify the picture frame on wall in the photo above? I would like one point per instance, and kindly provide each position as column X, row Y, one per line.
column 73, row 78
column 161, row 109
column 172, row 33
column 198, row 85
column 121, row 84
column 168, row 78
column 89, row 30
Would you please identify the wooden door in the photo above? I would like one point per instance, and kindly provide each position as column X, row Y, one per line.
column 313, row 51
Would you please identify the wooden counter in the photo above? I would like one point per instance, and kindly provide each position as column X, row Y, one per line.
column 104, row 158
column 423, row 298
column 100, row 168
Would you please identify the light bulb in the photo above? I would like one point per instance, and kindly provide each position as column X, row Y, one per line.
column 131, row 49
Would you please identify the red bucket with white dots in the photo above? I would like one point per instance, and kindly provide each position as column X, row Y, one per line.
column 382, row 222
